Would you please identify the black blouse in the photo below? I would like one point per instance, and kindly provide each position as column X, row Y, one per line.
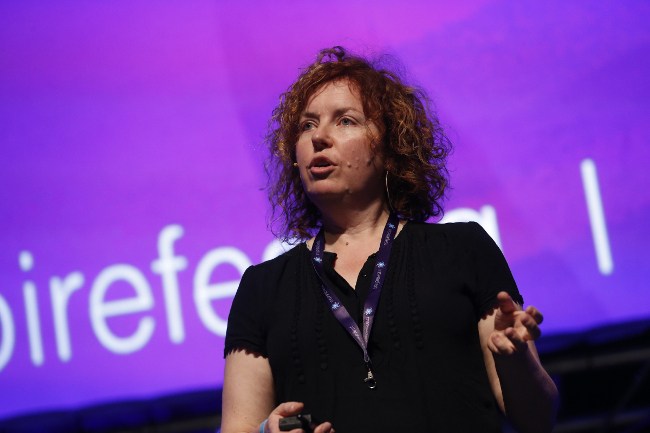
column 424, row 344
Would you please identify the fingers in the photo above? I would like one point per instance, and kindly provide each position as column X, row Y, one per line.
column 531, row 326
column 292, row 408
column 506, row 342
column 509, row 313
column 513, row 327
column 508, row 306
column 499, row 344
column 288, row 408
column 514, row 339
column 535, row 313
column 325, row 427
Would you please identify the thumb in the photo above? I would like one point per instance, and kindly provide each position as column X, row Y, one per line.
column 288, row 408
column 506, row 304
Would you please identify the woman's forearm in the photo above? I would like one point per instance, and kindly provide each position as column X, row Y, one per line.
column 530, row 397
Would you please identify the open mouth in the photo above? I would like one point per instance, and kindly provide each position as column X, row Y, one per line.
column 320, row 162
column 321, row 166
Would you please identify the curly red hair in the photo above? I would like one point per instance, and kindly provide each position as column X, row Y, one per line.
column 414, row 146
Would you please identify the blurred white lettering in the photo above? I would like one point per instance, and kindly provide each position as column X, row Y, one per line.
column 204, row 292
column 26, row 262
column 101, row 309
column 596, row 216
column 60, row 291
column 8, row 333
column 167, row 265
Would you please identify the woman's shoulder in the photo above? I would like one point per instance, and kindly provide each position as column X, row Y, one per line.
column 278, row 263
column 456, row 229
column 457, row 238
column 261, row 281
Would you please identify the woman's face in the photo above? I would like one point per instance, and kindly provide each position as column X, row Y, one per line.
column 337, row 148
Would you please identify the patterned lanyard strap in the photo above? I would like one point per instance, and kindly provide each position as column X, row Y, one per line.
column 370, row 306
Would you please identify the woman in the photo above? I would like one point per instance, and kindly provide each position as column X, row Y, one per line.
column 378, row 322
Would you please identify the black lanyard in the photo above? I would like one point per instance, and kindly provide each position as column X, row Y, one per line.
column 370, row 306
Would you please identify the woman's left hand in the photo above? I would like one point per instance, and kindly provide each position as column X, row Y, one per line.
column 513, row 327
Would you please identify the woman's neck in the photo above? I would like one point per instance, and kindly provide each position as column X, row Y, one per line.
column 354, row 226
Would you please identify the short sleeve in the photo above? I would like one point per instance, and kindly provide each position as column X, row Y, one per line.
column 490, row 270
column 246, row 328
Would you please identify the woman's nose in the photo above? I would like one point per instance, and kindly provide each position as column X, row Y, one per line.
column 321, row 137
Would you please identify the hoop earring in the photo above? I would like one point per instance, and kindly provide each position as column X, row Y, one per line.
column 390, row 205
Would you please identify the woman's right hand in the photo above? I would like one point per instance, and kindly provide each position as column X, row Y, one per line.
column 291, row 408
column 248, row 396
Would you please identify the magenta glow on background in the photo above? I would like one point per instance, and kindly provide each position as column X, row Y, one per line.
column 121, row 119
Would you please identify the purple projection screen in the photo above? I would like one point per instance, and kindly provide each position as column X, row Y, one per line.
column 131, row 168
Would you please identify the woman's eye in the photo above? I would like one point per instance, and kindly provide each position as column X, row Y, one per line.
column 346, row 122
column 307, row 126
